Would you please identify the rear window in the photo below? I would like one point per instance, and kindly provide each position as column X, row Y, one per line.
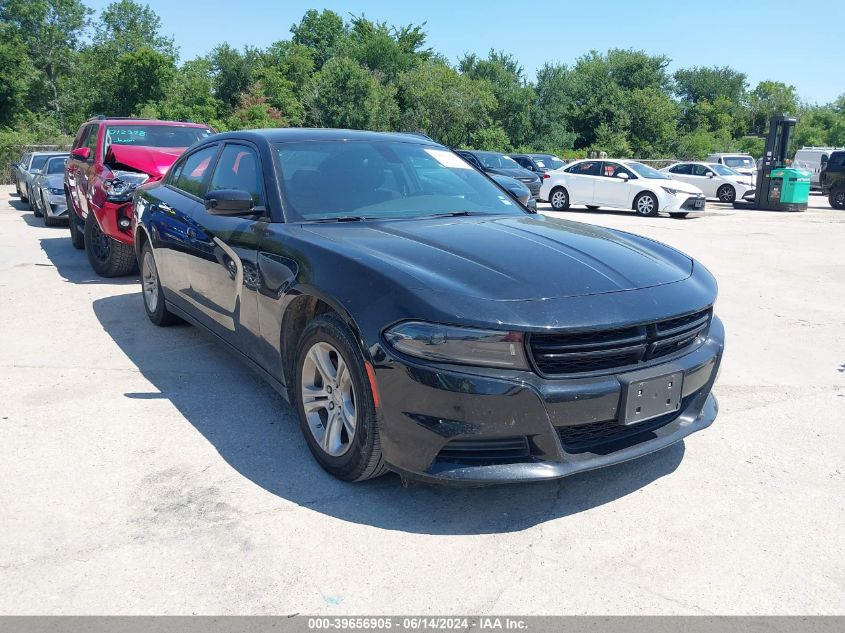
column 741, row 162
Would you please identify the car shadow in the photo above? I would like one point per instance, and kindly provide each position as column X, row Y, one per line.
column 18, row 205
column 621, row 212
column 257, row 432
column 72, row 264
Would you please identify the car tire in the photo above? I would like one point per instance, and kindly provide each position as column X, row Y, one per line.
column 22, row 194
column 151, row 291
column 645, row 204
column 726, row 193
column 107, row 256
column 76, row 236
column 30, row 204
column 18, row 187
column 48, row 220
column 559, row 199
column 33, row 204
column 837, row 198
column 679, row 216
column 339, row 425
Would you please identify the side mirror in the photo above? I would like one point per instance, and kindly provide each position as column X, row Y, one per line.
column 81, row 153
column 710, row 174
column 622, row 175
column 13, row 165
column 228, row 202
column 35, row 172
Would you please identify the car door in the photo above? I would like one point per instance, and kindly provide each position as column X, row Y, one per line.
column 581, row 181
column 705, row 179
column 612, row 189
column 682, row 172
column 223, row 250
column 171, row 212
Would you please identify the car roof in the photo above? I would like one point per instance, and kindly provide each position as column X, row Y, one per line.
column 289, row 135
column 49, row 153
column 131, row 121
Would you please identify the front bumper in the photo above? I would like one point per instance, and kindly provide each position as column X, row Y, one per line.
column 426, row 411
column 56, row 206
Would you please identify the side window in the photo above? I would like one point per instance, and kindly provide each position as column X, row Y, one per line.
column 91, row 140
column 587, row 168
column 238, row 168
column 523, row 162
column 609, row 170
column 700, row 170
column 192, row 173
column 80, row 137
column 683, row 169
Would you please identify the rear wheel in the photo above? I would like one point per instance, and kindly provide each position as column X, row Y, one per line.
column 646, row 204
column 29, row 202
column 108, row 257
column 76, row 236
column 335, row 402
column 726, row 193
column 559, row 199
column 153, row 295
column 22, row 193
column 837, row 198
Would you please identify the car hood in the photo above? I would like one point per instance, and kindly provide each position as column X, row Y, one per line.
column 154, row 161
column 507, row 258
column 56, row 181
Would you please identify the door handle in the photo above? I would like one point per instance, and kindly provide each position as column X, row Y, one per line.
column 164, row 207
column 191, row 232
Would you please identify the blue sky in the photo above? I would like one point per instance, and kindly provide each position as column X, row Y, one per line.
column 797, row 42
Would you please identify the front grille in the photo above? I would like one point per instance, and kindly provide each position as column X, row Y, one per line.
column 609, row 436
column 493, row 450
column 602, row 350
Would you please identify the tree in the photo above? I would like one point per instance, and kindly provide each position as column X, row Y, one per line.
column 233, row 72
column 50, row 32
column 126, row 26
column 15, row 77
column 190, row 96
column 770, row 98
column 143, row 75
column 344, row 94
column 321, row 32
column 450, row 107
column 707, row 84
column 386, row 51
column 654, row 117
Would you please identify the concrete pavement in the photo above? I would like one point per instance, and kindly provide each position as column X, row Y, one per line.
column 146, row 471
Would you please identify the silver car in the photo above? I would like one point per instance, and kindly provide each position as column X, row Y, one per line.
column 30, row 166
column 47, row 193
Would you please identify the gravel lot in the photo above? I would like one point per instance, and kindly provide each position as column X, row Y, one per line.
column 147, row 471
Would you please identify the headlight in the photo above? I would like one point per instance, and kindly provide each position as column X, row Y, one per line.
column 123, row 183
column 451, row 344
column 55, row 192
column 674, row 192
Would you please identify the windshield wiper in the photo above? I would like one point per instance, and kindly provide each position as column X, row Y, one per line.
column 343, row 218
column 450, row 214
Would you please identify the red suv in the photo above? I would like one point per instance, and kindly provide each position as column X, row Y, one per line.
column 109, row 158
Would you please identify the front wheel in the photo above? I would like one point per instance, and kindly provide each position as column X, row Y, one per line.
column 30, row 203
column 108, row 257
column 154, row 304
column 646, row 204
column 559, row 199
column 48, row 219
column 837, row 198
column 726, row 193
column 35, row 205
column 335, row 402
column 76, row 236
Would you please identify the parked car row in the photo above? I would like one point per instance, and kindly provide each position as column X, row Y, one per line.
column 390, row 291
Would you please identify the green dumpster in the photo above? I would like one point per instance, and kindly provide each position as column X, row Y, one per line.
column 789, row 188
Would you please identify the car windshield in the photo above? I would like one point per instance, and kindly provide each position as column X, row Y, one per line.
column 744, row 162
column 549, row 162
column 644, row 171
column 323, row 180
column 155, row 135
column 56, row 166
column 38, row 162
column 722, row 170
column 492, row 160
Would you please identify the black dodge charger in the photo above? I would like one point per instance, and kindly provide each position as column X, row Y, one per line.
column 418, row 318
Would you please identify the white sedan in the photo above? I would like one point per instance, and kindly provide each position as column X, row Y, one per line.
column 624, row 184
column 716, row 181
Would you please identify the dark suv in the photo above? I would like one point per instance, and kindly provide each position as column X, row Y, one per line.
column 832, row 179
column 109, row 158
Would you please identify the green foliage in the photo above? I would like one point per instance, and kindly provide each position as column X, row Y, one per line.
column 320, row 32
column 344, row 94
column 448, row 106
column 61, row 67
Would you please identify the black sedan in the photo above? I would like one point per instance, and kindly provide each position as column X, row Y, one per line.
column 496, row 163
column 418, row 318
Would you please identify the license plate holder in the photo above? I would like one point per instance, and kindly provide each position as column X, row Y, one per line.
column 651, row 397
column 699, row 204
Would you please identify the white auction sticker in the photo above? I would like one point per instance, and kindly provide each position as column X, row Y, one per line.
column 447, row 159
